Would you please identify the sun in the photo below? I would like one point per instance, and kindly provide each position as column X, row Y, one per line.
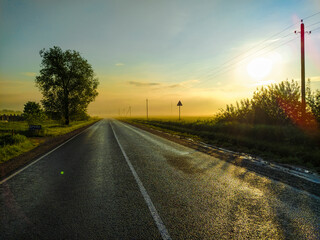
column 259, row 68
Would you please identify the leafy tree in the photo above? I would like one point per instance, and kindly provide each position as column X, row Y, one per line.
column 67, row 83
column 276, row 104
column 33, row 113
column 313, row 101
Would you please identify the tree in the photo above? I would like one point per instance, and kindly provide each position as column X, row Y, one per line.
column 276, row 104
column 313, row 100
column 33, row 113
column 67, row 83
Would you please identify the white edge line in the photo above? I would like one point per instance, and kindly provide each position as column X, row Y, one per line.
column 37, row 160
column 154, row 213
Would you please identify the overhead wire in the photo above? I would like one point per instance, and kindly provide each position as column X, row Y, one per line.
column 251, row 48
column 261, row 49
column 231, row 62
column 311, row 16
column 315, row 29
column 256, row 54
column 312, row 24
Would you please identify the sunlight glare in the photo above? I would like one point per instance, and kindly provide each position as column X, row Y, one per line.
column 259, row 68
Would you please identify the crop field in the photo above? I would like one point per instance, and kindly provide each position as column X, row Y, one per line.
column 282, row 144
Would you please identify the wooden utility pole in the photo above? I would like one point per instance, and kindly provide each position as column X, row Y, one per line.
column 147, row 109
column 303, row 77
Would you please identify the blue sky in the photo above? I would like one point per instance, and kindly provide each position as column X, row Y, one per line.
column 161, row 50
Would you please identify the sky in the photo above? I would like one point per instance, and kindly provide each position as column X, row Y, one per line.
column 205, row 53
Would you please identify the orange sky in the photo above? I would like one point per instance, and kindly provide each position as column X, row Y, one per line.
column 206, row 55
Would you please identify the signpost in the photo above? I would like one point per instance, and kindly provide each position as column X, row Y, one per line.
column 34, row 127
column 179, row 105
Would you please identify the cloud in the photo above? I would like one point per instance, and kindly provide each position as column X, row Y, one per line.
column 143, row 84
column 188, row 83
column 119, row 64
column 29, row 74
column 185, row 84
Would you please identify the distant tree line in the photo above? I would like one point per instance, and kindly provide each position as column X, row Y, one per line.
column 11, row 117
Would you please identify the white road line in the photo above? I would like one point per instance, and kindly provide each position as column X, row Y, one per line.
column 29, row 165
column 154, row 213
column 160, row 144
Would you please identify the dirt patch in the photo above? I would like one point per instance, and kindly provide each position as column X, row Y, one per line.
column 46, row 144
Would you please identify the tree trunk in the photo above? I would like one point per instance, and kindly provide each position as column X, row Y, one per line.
column 66, row 110
column 67, row 121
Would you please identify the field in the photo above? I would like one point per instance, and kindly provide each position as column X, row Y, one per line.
column 15, row 137
column 282, row 144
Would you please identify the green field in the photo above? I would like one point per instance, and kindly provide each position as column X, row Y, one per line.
column 283, row 144
column 15, row 137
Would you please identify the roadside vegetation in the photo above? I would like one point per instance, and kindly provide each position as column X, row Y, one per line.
column 270, row 125
column 16, row 138
column 68, row 84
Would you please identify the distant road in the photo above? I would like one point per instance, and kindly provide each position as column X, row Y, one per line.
column 115, row 181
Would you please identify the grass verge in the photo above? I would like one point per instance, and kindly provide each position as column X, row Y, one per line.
column 282, row 144
column 15, row 137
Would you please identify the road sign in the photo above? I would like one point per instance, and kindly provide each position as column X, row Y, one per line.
column 179, row 105
column 35, row 127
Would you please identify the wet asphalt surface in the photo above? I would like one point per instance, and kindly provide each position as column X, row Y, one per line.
column 197, row 196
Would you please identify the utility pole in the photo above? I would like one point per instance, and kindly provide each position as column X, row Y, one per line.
column 303, row 80
column 130, row 110
column 147, row 108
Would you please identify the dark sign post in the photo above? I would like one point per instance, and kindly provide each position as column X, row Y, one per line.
column 34, row 127
column 179, row 105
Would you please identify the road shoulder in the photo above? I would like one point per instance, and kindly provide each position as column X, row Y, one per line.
column 48, row 144
column 267, row 169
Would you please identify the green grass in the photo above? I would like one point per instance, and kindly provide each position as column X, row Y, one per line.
column 282, row 144
column 10, row 151
column 15, row 137
column 49, row 128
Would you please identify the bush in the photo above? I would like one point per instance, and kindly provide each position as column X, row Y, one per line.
column 276, row 104
column 8, row 139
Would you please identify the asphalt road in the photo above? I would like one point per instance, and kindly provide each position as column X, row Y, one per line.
column 120, row 182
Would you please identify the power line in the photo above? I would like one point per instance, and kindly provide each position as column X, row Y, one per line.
column 315, row 29
column 313, row 24
column 259, row 51
column 227, row 69
column 269, row 38
column 311, row 16
column 255, row 46
column 228, row 65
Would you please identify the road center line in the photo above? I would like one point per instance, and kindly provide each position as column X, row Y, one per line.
column 154, row 213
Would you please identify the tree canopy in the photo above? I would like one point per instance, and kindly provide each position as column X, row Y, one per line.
column 33, row 113
column 67, row 83
column 276, row 104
